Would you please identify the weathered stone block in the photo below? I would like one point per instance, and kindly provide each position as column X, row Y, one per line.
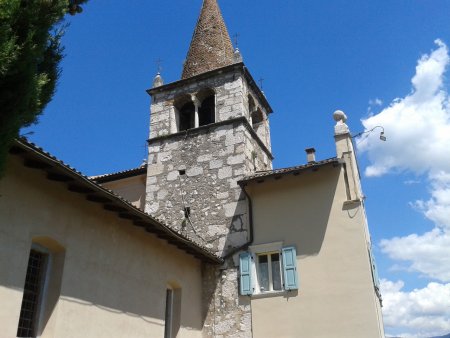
column 173, row 175
column 204, row 158
column 222, row 195
column 195, row 171
column 233, row 139
column 235, row 208
column 214, row 164
column 155, row 169
column 162, row 194
column 225, row 172
column 164, row 156
column 237, row 159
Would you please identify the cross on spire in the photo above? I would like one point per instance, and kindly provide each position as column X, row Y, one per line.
column 158, row 65
column 261, row 80
column 236, row 40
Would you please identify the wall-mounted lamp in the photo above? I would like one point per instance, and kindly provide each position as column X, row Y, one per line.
column 382, row 137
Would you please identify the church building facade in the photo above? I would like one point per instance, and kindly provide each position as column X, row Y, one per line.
column 204, row 240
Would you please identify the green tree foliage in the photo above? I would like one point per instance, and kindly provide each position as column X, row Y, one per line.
column 30, row 52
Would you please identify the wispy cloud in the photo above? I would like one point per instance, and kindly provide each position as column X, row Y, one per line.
column 373, row 103
column 412, row 182
column 418, row 131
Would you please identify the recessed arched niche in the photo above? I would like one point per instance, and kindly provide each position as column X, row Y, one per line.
column 185, row 110
column 257, row 118
column 207, row 108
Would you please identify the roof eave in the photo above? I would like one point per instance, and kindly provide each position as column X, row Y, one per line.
column 289, row 171
column 119, row 175
column 76, row 182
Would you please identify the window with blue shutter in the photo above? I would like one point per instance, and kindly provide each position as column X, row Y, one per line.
column 245, row 267
column 290, row 268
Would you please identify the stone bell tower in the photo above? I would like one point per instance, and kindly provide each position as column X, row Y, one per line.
column 207, row 131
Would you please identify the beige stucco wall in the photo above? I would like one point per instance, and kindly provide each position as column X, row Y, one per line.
column 131, row 188
column 114, row 275
column 336, row 296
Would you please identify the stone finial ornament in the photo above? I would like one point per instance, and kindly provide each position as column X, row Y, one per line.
column 340, row 127
column 339, row 115
column 238, row 56
column 158, row 80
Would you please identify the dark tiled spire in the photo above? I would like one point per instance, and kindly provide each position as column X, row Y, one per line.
column 211, row 46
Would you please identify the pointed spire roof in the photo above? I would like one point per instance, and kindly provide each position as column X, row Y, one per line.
column 211, row 46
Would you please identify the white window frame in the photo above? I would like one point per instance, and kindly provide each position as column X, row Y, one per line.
column 266, row 249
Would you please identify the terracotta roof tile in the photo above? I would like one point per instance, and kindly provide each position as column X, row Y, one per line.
column 211, row 46
column 60, row 171
column 120, row 174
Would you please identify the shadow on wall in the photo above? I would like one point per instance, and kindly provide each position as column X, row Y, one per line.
column 295, row 209
column 238, row 225
column 105, row 262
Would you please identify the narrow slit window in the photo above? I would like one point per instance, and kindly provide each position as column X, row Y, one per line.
column 169, row 314
column 32, row 294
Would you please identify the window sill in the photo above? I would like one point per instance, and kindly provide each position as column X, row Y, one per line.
column 269, row 294
column 350, row 203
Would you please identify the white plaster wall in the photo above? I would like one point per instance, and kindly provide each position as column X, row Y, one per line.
column 115, row 274
column 336, row 297
column 131, row 188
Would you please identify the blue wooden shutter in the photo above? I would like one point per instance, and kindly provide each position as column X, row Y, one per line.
column 245, row 268
column 290, row 268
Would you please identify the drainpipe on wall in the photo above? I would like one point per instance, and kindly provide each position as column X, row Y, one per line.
column 250, row 221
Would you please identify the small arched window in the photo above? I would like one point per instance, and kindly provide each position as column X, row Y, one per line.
column 185, row 112
column 187, row 116
column 207, row 109
column 251, row 105
column 257, row 118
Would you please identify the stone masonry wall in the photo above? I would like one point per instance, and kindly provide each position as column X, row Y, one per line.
column 213, row 159
column 229, row 89
column 263, row 128
column 199, row 168
column 227, row 315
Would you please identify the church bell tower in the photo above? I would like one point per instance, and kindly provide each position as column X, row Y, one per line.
column 207, row 131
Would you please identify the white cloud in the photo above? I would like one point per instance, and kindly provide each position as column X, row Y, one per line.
column 429, row 253
column 417, row 127
column 419, row 313
column 418, row 131
column 421, row 120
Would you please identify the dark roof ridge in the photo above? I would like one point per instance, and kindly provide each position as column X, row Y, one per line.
column 288, row 170
column 119, row 174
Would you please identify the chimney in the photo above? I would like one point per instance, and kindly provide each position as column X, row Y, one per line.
column 310, row 155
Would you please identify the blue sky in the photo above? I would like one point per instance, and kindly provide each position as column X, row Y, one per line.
column 315, row 57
